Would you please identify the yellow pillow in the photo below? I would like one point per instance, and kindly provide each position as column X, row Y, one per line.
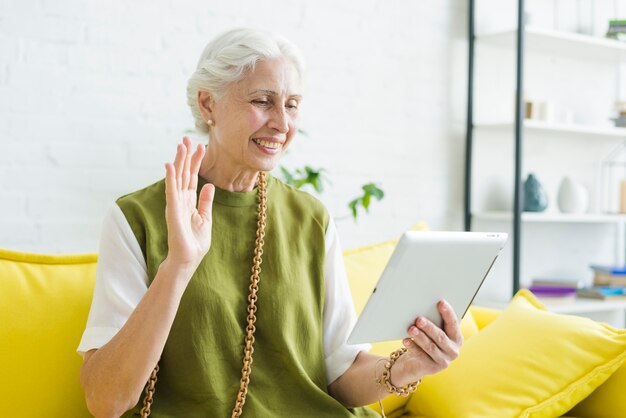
column 527, row 363
column 44, row 302
column 607, row 401
column 484, row 316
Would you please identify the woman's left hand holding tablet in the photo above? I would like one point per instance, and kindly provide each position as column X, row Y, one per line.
column 430, row 348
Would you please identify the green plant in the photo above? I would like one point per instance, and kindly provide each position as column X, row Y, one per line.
column 303, row 176
column 300, row 177
column 369, row 190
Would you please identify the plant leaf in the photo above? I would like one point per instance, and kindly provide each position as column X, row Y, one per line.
column 373, row 190
column 317, row 184
column 352, row 205
column 365, row 201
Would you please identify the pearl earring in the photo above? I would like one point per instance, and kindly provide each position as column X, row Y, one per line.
column 209, row 122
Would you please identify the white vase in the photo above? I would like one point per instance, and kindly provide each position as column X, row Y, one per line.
column 572, row 197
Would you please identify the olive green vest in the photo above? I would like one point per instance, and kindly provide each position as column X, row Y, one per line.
column 200, row 367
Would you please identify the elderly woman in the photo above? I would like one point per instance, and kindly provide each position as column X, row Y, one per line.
column 174, row 287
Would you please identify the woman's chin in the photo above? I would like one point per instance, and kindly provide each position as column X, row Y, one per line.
column 267, row 163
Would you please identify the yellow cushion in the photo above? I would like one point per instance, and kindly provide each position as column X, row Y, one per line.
column 527, row 363
column 607, row 401
column 484, row 316
column 44, row 302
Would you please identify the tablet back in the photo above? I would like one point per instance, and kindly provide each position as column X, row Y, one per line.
column 424, row 268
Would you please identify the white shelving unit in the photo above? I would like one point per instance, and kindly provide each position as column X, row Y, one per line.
column 545, row 44
column 563, row 43
column 553, row 217
column 566, row 218
column 532, row 126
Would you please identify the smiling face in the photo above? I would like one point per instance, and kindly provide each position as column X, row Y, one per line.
column 255, row 120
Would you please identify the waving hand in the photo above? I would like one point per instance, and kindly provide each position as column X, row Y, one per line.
column 188, row 226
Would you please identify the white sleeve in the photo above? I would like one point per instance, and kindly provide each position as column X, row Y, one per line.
column 339, row 313
column 121, row 281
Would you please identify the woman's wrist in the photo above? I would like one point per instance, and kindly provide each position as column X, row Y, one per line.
column 398, row 387
column 176, row 270
column 400, row 375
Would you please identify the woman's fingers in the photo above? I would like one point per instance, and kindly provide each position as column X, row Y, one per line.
column 187, row 165
column 429, row 345
column 186, row 177
column 170, row 180
column 433, row 341
column 196, row 160
column 179, row 163
column 450, row 322
column 205, row 201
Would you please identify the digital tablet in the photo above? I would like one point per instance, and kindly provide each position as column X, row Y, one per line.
column 424, row 268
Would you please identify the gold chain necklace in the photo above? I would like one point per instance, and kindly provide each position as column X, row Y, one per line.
column 252, row 299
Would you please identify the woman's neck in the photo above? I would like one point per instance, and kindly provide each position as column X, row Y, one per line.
column 226, row 176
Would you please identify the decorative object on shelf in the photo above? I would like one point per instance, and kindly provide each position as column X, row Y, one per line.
column 540, row 110
column 535, row 197
column 620, row 114
column 613, row 178
column 548, row 112
column 572, row 197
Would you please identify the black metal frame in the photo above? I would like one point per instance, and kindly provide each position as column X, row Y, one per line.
column 519, row 131
column 469, row 123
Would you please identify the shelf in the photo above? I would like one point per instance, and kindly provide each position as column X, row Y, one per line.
column 577, row 306
column 539, row 126
column 612, row 312
column 587, row 305
column 552, row 217
column 563, row 43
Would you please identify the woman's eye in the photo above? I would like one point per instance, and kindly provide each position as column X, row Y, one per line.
column 292, row 105
column 262, row 102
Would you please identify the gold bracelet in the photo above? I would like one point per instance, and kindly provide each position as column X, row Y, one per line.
column 385, row 378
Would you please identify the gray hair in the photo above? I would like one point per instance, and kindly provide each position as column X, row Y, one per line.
column 226, row 59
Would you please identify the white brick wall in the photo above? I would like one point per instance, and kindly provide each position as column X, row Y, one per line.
column 92, row 102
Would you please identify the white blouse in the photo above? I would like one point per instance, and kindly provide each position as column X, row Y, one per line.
column 122, row 280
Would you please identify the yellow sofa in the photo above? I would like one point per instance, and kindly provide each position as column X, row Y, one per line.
column 44, row 301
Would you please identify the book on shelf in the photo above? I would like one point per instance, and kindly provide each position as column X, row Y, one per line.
column 558, row 282
column 608, row 275
column 554, row 294
column 617, row 30
column 603, row 292
column 608, row 269
column 605, row 279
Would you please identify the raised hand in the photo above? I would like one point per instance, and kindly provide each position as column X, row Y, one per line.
column 188, row 226
column 430, row 348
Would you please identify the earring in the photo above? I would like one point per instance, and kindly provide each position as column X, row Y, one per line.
column 209, row 122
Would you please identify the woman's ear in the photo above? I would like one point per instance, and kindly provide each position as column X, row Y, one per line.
column 205, row 104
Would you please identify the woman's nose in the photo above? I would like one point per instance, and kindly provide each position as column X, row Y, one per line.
column 280, row 120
